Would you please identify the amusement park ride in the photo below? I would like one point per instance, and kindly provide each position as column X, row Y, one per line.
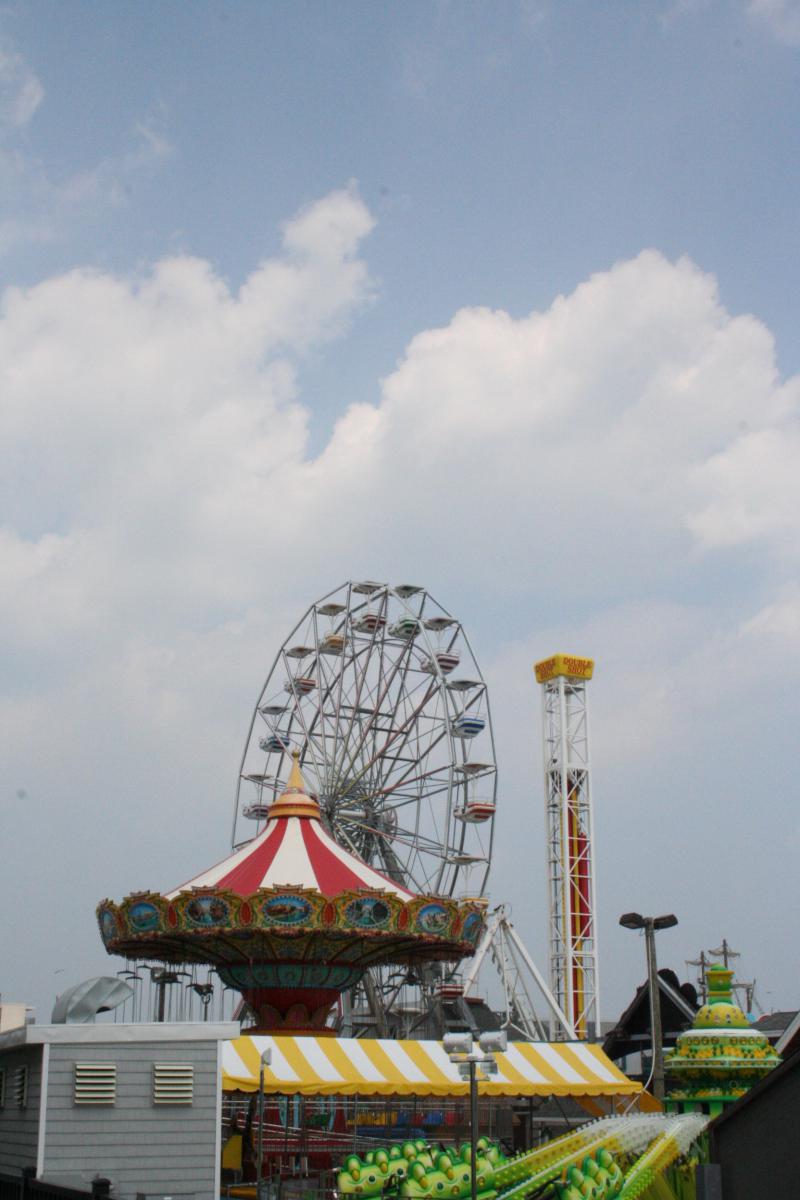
column 570, row 839
column 355, row 887
column 378, row 699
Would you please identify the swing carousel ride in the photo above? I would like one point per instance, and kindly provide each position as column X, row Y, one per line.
column 373, row 854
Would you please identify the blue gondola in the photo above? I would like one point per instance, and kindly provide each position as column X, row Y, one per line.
column 467, row 726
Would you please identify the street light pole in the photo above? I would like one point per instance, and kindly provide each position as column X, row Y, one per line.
column 655, row 1012
column 265, row 1061
column 473, row 1128
column 635, row 920
column 460, row 1050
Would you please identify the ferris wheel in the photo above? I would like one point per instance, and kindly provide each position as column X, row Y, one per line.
column 378, row 689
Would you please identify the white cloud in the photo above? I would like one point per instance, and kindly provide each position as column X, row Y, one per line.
column 21, row 92
column 780, row 620
column 781, row 17
column 754, row 490
column 165, row 525
column 152, row 419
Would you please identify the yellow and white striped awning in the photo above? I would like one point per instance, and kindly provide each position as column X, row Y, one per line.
column 322, row 1066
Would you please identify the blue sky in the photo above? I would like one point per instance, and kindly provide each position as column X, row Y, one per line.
column 515, row 146
column 268, row 277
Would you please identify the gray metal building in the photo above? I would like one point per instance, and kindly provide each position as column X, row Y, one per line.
column 137, row 1104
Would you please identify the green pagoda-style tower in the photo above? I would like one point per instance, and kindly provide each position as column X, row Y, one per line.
column 721, row 1056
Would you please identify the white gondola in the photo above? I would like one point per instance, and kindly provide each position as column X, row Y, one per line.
column 331, row 610
column 369, row 623
column 272, row 710
column 332, row 643
column 299, row 651
column 407, row 590
column 442, row 663
column 467, row 726
column 258, row 778
column 475, row 811
column 255, row 812
column 366, row 587
column 463, row 685
column 437, row 624
column 274, row 744
column 474, row 768
column 406, row 628
column 301, row 684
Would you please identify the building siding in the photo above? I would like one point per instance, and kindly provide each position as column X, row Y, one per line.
column 755, row 1142
column 139, row 1146
column 19, row 1127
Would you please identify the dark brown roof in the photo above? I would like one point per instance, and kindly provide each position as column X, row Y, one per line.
column 632, row 1031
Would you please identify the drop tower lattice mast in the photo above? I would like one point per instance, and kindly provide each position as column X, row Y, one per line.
column 572, row 933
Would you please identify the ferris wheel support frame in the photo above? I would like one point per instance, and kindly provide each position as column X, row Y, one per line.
column 502, row 943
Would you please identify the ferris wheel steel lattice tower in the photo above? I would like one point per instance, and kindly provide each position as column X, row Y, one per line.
column 572, row 930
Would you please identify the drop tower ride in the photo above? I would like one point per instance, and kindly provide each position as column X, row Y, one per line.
column 572, row 932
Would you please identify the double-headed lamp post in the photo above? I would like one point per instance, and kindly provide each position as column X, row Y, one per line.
column 266, row 1058
column 460, row 1049
column 634, row 920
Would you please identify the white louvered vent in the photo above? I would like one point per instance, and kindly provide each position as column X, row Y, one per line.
column 21, row 1087
column 173, row 1083
column 95, row 1083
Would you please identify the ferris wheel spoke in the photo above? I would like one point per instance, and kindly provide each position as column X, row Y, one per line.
column 391, row 738
column 320, row 677
column 344, row 832
column 402, row 837
column 391, row 862
column 309, row 744
column 404, row 777
column 437, row 725
column 357, row 700
column 340, row 680
column 393, row 797
column 382, row 688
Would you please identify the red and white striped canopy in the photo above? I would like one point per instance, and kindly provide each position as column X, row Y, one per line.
column 293, row 850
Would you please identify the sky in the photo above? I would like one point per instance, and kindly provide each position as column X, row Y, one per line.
column 497, row 298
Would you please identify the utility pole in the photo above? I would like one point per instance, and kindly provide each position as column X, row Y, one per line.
column 724, row 952
column 702, row 963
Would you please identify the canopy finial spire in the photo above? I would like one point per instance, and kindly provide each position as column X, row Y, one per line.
column 295, row 801
column 295, row 783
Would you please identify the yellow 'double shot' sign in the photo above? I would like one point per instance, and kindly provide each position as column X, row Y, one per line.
column 564, row 664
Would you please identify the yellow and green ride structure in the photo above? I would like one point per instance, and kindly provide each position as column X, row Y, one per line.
column 624, row 1157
